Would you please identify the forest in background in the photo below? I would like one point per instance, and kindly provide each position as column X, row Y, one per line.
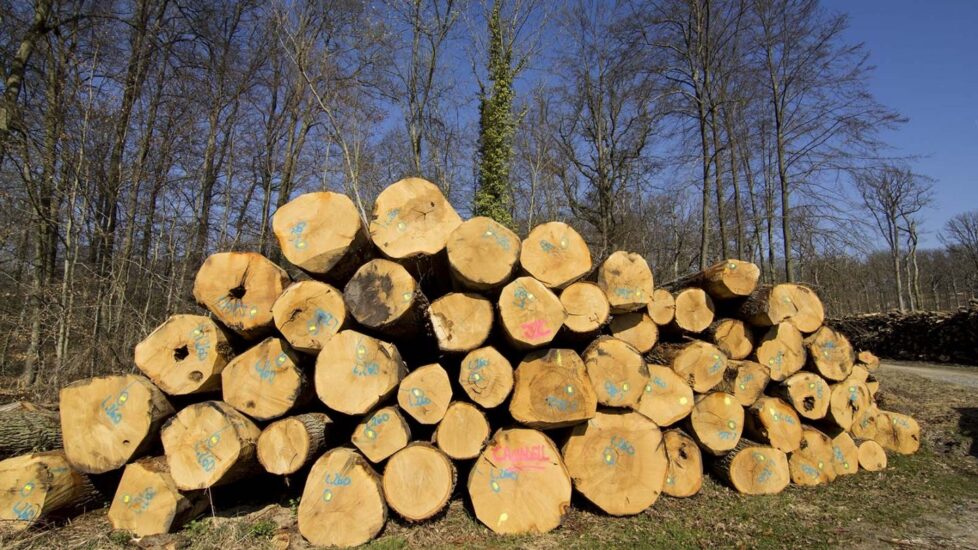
column 138, row 136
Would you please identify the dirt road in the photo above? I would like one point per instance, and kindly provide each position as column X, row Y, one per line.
column 959, row 376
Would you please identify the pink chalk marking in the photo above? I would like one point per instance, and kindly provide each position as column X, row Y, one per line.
column 521, row 459
column 535, row 330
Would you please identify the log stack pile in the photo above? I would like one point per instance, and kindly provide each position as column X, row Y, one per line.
column 421, row 347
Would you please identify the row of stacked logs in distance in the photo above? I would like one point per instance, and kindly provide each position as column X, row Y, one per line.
column 390, row 367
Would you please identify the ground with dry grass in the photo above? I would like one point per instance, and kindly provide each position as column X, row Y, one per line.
column 926, row 500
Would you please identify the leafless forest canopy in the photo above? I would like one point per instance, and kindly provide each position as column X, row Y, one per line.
column 138, row 136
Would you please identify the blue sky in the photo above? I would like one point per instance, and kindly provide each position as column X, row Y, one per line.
column 926, row 58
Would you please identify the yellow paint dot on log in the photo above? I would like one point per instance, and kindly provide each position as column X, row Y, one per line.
column 328, row 495
column 300, row 244
column 821, row 465
column 648, row 388
column 563, row 242
column 845, row 465
column 254, row 311
column 811, row 385
column 638, row 293
column 569, row 389
column 495, row 486
column 477, row 377
column 716, row 357
column 530, row 295
column 196, row 332
column 214, row 439
column 281, row 358
column 123, row 398
column 726, row 400
column 852, row 389
column 28, row 488
column 401, row 226
column 760, row 457
column 503, row 517
column 416, row 391
column 683, row 400
column 732, row 265
column 608, row 458
column 126, row 498
column 370, row 433
column 770, row 361
column 488, row 232
column 731, row 424
column 773, row 412
column 743, row 386
column 624, row 387
column 407, row 296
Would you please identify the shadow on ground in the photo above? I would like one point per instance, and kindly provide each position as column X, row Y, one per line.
column 969, row 427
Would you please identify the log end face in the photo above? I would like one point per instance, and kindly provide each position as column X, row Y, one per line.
column 412, row 218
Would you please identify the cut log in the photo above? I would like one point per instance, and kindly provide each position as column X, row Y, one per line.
column 864, row 422
column 845, row 454
column 869, row 361
column 343, row 501
column 774, row 422
column 859, row 373
column 148, row 501
column 666, row 397
column 464, row 431
column 519, row 484
column 717, row 422
column 897, row 432
column 873, row 385
column 418, row 481
column 829, row 354
column 25, row 428
column 530, row 313
column 732, row 336
column 782, row 350
column 286, row 445
column 626, row 279
column 109, row 420
column 322, row 234
column 185, row 355
column 587, row 309
column 694, row 311
column 795, row 304
column 745, row 380
column 701, row 365
column 239, row 288
column 662, row 308
column 617, row 372
column 355, row 372
column 808, row 394
column 266, row 381
column 382, row 434
column 38, row 485
column 425, row 393
column 486, row 376
column 461, row 322
column 637, row 329
column 412, row 218
column 555, row 254
column 754, row 469
column 210, row 444
column 471, row 245
column 684, row 478
column 812, row 464
column 382, row 295
column 551, row 389
column 846, row 401
column 617, row 460
column 308, row 314
column 724, row 280
column 872, row 456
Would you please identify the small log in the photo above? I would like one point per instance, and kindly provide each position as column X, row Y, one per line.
column 26, row 428
column 486, row 377
column 868, row 360
column 355, row 372
column 39, row 485
column 425, row 393
column 745, row 380
column 382, row 434
column 829, row 354
column 662, row 308
column 383, row 296
column 626, row 279
column 286, row 445
column 411, row 219
column 811, row 464
column 701, row 365
column 474, row 242
column 754, row 469
column 807, row 392
column 322, row 234
column 463, row 432
column 520, row 484
column 109, row 420
column 461, row 322
column 845, row 454
column 666, row 397
column 587, row 309
column 555, row 254
column 185, row 355
column 864, row 422
column 530, row 313
column 716, row 422
column 617, row 460
column 617, row 372
column 732, row 336
column 148, row 501
column 239, row 288
column 684, row 477
column 209, row 444
column 551, row 389
column 694, row 311
column 724, row 280
column 266, row 381
column 897, row 432
column 308, row 314
column 784, row 303
column 418, row 481
column 782, row 350
column 343, row 501
column 636, row 329
column 872, row 456
column 847, row 399
column 774, row 422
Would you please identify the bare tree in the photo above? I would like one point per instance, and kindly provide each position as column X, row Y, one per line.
column 961, row 233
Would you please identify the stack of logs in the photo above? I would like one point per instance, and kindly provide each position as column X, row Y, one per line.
column 389, row 367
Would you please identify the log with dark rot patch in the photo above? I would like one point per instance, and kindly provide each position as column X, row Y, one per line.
column 383, row 296
column 745, row 380
column 811, row 463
